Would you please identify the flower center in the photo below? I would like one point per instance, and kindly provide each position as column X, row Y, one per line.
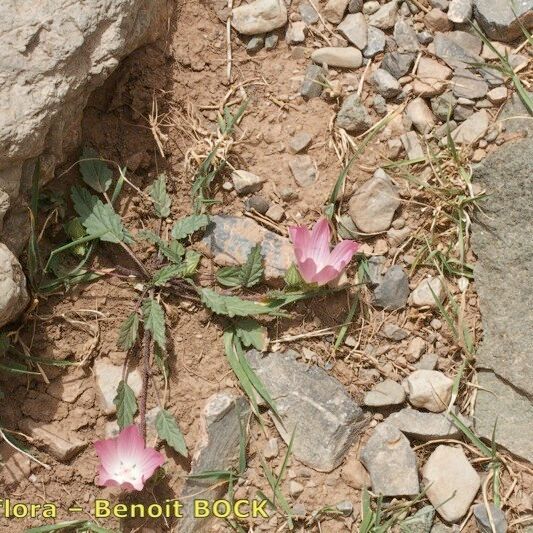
column 127, row 472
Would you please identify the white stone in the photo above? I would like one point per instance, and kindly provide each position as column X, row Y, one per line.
column 385, row 17
column 334, row 10
column 460, row 11
column 246, row 182
column 13, row 293
column 473, row 128
column 296, row 32
column 386, row 392
column 431, row 77
column 423, row 293
column 420, row 115
column 271, row 449
column 429, row 389
column 332, row 56
column 412, row 145
column 497, row 95
column 451, row 482
column 107, row 377
column 260, row 16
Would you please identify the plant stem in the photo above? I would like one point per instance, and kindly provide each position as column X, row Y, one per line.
column 146, row 349
column 142, row 268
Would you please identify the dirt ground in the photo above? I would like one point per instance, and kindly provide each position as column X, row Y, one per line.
column 185, row 74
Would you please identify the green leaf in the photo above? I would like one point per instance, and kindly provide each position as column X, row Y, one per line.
column 251, row 333
column 173, row 251
column 229, row 276
column 190, row 263
column 160, row 359
column 127, row 336
column 165, row 274
column 293, row 278
column 94, row 171
column 232, row 305
column 188, row 225
column 158, row 193
column 252, row 270
column 169, row 431
column 154, row 321
column 99, row 219
column 126, row 405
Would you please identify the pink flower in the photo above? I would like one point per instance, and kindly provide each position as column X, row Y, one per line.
column 125, row 461
column 316, row 263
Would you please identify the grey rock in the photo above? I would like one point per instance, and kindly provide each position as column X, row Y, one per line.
column 257, row 202
column 472, row 129
column 483, row 520
column 498, row 18
column 393, row 289
column 451, row 482
column 443, row 104
column 345, row 507
column 107, row 377
column 353, row 116
column 13, row 293
column 300, row 142
column 355, row 6
column 259, row 16
column 457, row 48
column 386, row 84
column 429, row 389
column 398, row 63
column 255, row 44
column 467, row 84
column 390, row 462
column 373, row 205
column 229, row 239
column 424, row 426
column 376, row 267
column 426, row 292
column 379, row 104
column 393, row 332
column 385, row 17
column 276, row 213
column 354, row 28
column 271, row 449
column 440, row 4
column 312, row 405
column 246, row 182
column 313, row 83
column 462, row 112
column 420, row 522
column 223, row 419
column 369, row 8
column 271, row 41
column 428, row 361
column 308, row 14
column 4, row 206
column 303, row 169
column 425, row 37
column 335, row 56
column 431, row 77
column 502, row 405
column 376, row 41
column 515, row 115
column 437, row 20
column 384, row 393
column 412, row 145
column 405, row 37
column 460, row 11
column 346, row 227
column 52, row 58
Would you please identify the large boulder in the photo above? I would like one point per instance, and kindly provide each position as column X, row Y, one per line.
column 503, row 20
column 13, row 294
column 51, row 59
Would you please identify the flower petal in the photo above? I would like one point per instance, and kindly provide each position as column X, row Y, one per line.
column 320, row 237
column 326, row 274
column 342, row 254
column 307, row 269
column 300, row 237
column 150, row 461
column 107, row 452
column 130, row 442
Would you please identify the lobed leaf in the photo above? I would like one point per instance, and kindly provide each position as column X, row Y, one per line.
column 158, row 193
column 251, row 333
column 127, row 335
column 126, row 405
column 94, row 171
column 232, row 305
column 154, row 321
column 169, row 431
column 188, row 225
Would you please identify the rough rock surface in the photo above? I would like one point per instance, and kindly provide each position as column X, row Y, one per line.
column 483, row 520
column 391, row 462
column 498, row 21
column 451, row 482
column 313, row 405
column 429, row 389
column 13, row 294
column 386, row 392
column 353, row 116
column 502, row 241
column 393, row 289
column 52, row 57
column 223, row 418
column 229, row 240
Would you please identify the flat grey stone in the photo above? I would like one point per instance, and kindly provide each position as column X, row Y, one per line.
column 398, row 63
column 324, row 418
column 313, row 82
column 412, row 145
column 502, row 242
column 483, row 520
column 353, row 116
column 405, row 36
column 460, row 11
column 386, row 84
column 420, row 522
column 393, row 332
column 224, row 417
column 303, row 169
column 425, row 426
column 390, row 462
column 393, row 289
column 246, row 182
column 500, row 405
column 229, row 240
column 515, row 116
column 308, row 14
column 385, row 17
column 457, row 48
column 354, row 28
column 468, row 84
column 497, row 18
column 375, row 42
column 384, row 393
column 255, row 44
